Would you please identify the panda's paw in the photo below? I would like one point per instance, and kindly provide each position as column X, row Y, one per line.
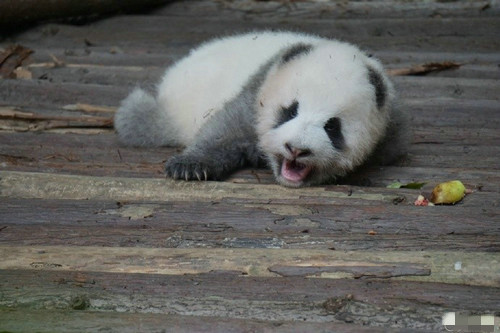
column 186, row 167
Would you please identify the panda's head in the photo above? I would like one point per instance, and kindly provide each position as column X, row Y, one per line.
column 321, row 111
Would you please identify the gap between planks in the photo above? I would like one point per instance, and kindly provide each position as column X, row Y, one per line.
column 478, row 268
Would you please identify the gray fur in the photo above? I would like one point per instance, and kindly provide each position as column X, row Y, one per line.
column 396, row 140
column 140, row 122
column 227, row 141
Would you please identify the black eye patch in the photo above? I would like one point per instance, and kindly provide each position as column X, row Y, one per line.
column 287, row 113
column 333, row 128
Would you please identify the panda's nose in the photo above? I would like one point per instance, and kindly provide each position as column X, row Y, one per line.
column 297, row 152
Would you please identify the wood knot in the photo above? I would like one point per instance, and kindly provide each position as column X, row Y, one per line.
column 337, row 304
column 80, row 302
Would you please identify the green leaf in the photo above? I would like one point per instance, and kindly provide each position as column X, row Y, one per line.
column 395, row 185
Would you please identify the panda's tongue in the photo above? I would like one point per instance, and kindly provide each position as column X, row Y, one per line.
column 294, row 171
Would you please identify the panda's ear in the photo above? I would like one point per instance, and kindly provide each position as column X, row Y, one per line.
column 295, row 51
column 377, row 81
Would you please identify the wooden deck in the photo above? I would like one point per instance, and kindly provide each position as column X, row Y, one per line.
column 94, row 238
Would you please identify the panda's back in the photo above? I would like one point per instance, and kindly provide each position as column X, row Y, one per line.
column 214, row 73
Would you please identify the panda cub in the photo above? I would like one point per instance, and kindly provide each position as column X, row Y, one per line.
column 310, row 108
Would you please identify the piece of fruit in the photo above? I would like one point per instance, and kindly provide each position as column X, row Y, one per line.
column 422, row 201
column 448, row 192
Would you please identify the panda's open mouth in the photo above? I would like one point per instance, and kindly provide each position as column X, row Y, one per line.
column 294, row 171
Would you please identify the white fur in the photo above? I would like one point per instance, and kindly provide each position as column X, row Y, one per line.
column 214, row 73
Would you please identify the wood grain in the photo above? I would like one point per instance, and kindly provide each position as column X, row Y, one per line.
column 478, row 268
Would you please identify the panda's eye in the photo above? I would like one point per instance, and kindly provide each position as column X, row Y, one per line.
column 333, row 128
column 287, row 113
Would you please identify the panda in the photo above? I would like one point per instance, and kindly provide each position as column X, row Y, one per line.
column 310, row 108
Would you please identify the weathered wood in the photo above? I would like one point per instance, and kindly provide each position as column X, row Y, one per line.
column 106, row 30
column 52, row 186
column 390, row 304
column 45, row 94
column 330, row 9
column 396, row 34
column 55, row 321
column 480, row 269
column 375, row 303
column 342, row 225
column 221, row 235
column 457, row 88
column 35, row 122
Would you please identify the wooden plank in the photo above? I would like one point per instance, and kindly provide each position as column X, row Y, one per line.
column 480, row 269
column 64, row 321
column 442, row 112
column 340, row 225
column 457, row 88
column 102, row 32
column 331, row 9
column 51, row 186
column 456, row 135
column 41, row 93
column 187, row 35
column 222, row 236
column 389, row 304
column 151, row 31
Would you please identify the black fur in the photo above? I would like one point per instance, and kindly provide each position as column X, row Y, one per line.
column 295, row 51
column 380, row 88
column 333, row 128
column 287, row 113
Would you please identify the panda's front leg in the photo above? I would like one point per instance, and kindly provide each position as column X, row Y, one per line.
column 226, row 143
column 211, row 162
